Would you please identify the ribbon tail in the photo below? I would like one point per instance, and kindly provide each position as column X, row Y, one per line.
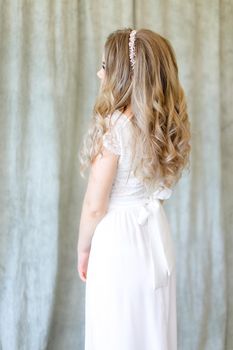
column 161, row 248
column 169, row 249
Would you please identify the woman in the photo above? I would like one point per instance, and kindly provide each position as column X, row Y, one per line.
column 137, row 147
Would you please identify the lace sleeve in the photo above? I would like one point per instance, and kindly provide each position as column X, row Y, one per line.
column 111, row 140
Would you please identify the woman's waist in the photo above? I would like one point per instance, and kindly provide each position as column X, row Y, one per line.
column 136, row 195
column 126, row 200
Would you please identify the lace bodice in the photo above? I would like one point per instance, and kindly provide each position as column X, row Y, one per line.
column 118, row 140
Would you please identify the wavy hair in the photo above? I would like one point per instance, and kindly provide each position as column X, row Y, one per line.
column 160, row 120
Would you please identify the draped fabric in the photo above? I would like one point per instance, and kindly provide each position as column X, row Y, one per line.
column 50, row 53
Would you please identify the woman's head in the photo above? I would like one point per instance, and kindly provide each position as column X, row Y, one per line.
column 115, row 73
column 152, row 88
column 155, row 64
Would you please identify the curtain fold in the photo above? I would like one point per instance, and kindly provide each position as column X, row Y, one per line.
column 50, row 52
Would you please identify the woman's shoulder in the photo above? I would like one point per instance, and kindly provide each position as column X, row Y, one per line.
column 117, row 134
column 117, row 118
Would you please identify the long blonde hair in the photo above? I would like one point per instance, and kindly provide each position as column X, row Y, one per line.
column 160, row 120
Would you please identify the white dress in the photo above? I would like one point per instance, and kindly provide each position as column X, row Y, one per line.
column 130, row 300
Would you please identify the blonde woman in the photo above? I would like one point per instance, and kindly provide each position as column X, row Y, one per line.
column 137, row 146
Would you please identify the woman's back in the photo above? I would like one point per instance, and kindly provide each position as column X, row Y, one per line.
column 119, row 138
column 126, row 186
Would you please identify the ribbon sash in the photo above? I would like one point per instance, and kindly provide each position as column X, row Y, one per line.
column 153, row 216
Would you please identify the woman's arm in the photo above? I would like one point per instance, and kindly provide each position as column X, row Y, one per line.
column 95, row 203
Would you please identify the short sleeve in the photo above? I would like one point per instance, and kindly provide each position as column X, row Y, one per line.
column 111, row 139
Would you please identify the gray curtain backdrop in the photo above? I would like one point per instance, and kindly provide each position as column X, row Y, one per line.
column 50, row 53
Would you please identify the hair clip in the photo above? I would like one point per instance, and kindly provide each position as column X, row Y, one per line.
column 132, row 54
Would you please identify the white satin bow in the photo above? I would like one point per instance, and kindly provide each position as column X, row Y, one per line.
column 161, row 244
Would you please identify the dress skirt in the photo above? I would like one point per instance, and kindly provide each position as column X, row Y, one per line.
column 126, row 306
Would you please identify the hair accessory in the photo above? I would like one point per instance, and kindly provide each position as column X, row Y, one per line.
column 132, row 54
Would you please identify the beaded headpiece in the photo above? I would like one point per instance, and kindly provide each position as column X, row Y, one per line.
column 132, row 54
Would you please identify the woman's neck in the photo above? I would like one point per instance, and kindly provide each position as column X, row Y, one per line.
column 128, row 111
